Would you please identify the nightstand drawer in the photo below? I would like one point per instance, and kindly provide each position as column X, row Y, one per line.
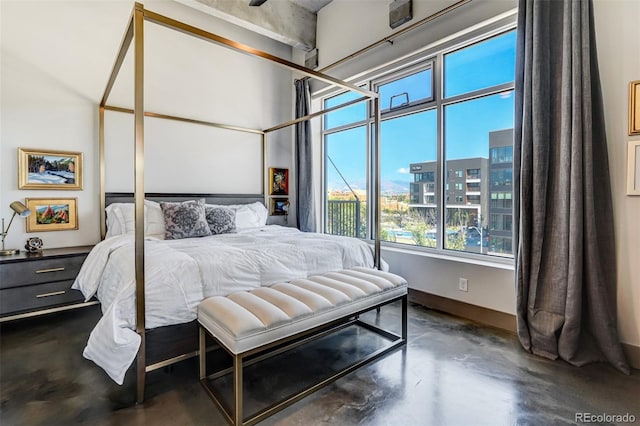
column 33, row 297
column 40, row 271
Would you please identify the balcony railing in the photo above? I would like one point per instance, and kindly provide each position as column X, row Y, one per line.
column 344, row 218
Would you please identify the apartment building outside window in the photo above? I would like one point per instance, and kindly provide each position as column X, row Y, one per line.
column 446, row 151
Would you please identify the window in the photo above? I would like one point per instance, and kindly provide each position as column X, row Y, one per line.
column 346, row 182
column 477, row 106
column 405, row 140
column 473, row 187
column 415, row 88
column 464, row 131
column 425, row 177
column 503, row 154
column 501, row 200
column 473, row 199
column 347, row 115
column 485, row 64
column 473, row 173
column 501, row 177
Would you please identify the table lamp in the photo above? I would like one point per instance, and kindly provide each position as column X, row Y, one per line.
column 18, row 209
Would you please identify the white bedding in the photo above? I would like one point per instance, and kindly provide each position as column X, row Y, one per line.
column 181, row 273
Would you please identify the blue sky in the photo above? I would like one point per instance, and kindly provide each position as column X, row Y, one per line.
column 412, row 138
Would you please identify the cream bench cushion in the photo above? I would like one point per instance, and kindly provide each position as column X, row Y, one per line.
column 247, row 320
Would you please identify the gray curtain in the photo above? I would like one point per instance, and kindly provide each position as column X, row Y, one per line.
column 566, row 259
column 305, row 210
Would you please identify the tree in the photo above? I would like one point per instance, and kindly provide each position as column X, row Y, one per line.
column 455, row 241
column 418, row 233
column 385, row 236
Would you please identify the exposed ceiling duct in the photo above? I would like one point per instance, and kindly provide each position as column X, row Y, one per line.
column 290, row 22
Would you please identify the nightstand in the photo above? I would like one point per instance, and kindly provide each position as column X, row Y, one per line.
column 38, row 283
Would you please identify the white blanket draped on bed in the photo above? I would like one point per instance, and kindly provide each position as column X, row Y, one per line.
column 179, row 274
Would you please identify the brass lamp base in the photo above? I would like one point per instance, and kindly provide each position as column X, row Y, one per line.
column 9, row 252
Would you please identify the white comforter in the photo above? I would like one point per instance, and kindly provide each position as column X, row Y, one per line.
column 181, row 273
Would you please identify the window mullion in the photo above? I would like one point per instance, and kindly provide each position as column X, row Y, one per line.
column 440, row 180
column 479, row 93
column 345, row 127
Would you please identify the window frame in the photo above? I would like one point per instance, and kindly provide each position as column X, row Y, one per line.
column 432, row 58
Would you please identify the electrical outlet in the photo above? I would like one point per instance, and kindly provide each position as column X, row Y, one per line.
column 463, row 284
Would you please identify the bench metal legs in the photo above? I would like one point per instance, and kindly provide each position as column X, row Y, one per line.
column 237, row 417
column 237, row 389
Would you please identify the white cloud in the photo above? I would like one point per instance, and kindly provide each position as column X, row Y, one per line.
column 403, row 171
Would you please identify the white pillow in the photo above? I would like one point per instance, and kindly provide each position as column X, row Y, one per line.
column 121, row 219
column 116, row 223
column 154, row 220
column 248, row 215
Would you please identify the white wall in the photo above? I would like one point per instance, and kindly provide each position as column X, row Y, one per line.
column 56, row 57
column 617, row 24
column 345, row 26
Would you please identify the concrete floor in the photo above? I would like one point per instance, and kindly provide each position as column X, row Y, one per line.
column 453, row 372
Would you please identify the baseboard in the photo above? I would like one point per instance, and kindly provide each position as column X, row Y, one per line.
column 633, row 355
column 475, row 313
column 492, row 318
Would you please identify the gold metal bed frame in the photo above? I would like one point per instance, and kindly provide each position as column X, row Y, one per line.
column 135, row 34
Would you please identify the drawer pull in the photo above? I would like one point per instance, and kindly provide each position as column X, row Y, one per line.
column 44, row 271
column 55, row 293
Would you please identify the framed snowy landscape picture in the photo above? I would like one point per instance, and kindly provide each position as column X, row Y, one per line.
column 40, row 169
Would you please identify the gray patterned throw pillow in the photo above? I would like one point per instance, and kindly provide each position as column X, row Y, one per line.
column 185, row 220
column 222, row 220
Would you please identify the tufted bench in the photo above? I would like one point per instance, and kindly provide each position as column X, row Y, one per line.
column 287, row 314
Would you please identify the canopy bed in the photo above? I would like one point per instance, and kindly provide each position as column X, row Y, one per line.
column 164, row 344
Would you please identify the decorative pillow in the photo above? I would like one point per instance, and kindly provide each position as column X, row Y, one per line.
column 247, row 215
column 185, row 220
column 222, row 220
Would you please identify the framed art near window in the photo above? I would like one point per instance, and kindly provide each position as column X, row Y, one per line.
column 52, row 214
column 278, row 181
column 45, row 169
column 634, row 108
column 633, row 168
